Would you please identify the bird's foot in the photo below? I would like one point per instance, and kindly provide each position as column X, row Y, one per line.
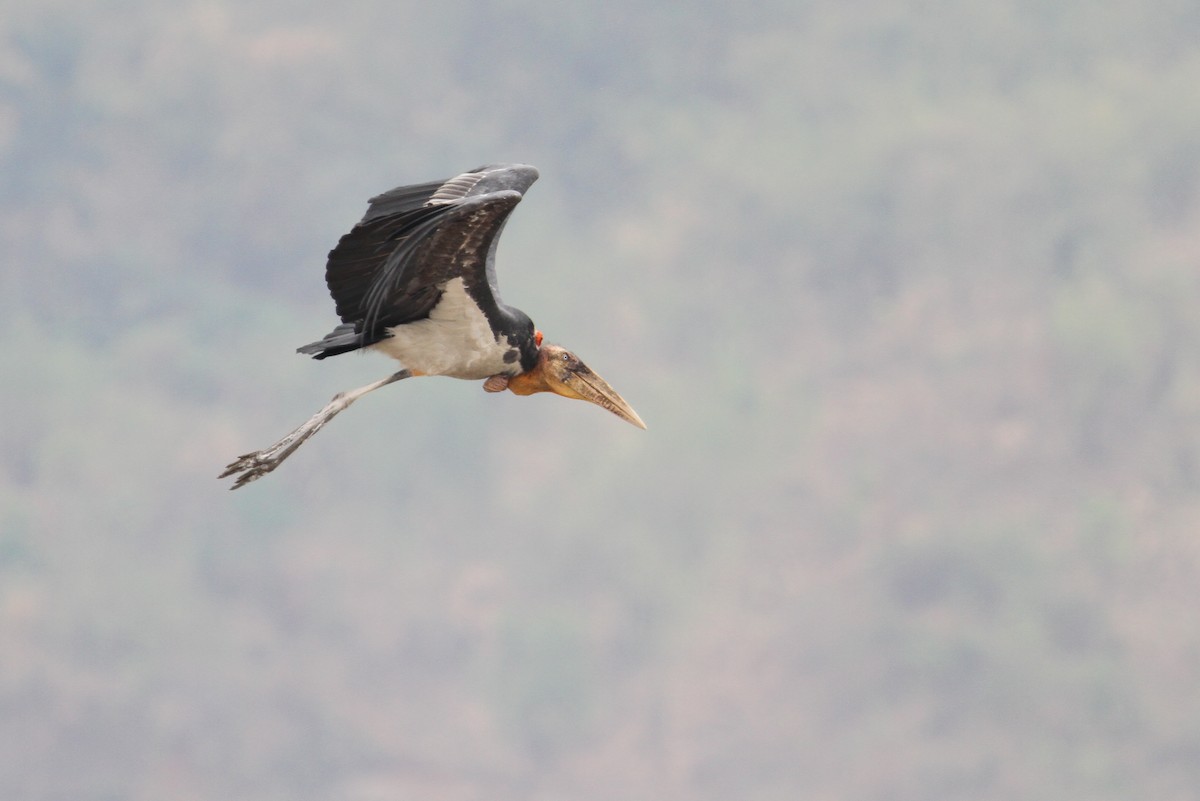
column 252, row 466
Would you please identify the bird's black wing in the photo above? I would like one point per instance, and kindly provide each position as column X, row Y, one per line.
column 457, row 242
column 392, row 267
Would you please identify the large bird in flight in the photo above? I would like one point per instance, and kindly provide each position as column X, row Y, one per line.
column 416, row 280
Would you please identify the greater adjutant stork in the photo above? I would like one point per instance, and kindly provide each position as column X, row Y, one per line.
column 416, row 280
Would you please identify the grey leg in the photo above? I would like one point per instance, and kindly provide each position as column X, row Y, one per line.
column 257, row 464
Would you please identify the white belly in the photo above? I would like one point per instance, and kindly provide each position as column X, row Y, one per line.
column 455, row 340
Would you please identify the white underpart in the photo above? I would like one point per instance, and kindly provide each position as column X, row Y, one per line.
column 455, row 340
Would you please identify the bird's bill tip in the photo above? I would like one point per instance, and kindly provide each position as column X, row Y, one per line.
column 594, row 389
column 565, row 374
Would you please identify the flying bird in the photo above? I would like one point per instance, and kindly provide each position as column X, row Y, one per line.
column 415, row 279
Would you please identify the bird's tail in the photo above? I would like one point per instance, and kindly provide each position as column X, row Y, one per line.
column 342, row 339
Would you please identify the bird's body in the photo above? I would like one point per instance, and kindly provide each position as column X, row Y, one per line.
column 455, row 340
column 415, row 279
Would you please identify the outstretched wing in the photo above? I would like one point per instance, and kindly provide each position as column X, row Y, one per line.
column 393, row 266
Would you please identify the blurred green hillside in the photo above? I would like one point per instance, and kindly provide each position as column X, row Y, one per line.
column 906, row 292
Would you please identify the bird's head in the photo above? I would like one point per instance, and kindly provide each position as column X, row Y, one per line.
column 560, row 371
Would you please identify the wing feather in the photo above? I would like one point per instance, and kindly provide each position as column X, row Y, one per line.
column 391, row 267
column 401, row 199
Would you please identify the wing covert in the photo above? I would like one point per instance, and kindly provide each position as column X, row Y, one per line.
column 457, row 243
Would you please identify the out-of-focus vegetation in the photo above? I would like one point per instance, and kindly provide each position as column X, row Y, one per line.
column 906, row 292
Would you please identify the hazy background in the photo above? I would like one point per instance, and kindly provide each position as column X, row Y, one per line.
column 907, row 293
